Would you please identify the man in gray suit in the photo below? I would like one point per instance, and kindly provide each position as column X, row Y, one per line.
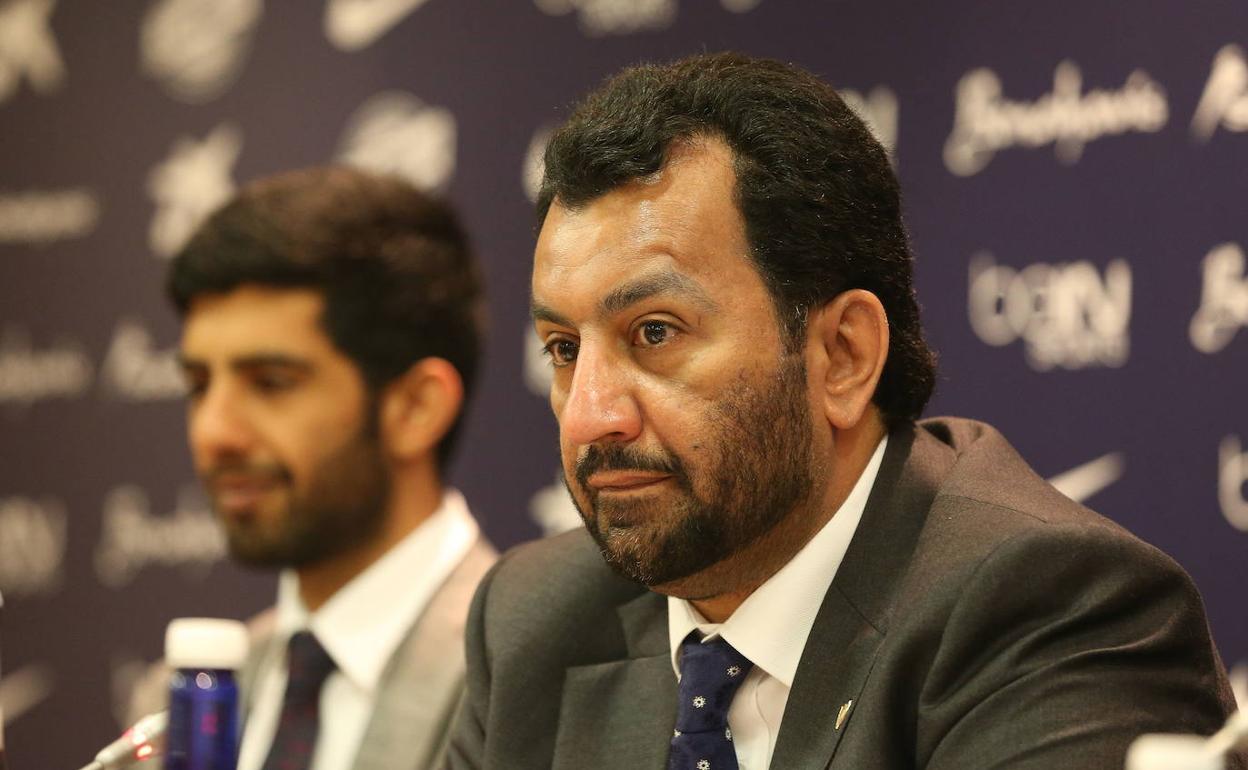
column 802, row 574
column 330, row 339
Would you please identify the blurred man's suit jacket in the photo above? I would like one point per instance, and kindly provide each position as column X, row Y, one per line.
column 421, row 689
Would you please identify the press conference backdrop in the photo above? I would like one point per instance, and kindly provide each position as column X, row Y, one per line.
column 1076, row 184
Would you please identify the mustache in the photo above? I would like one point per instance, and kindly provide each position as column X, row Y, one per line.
column 262, row 471
column 616, row 457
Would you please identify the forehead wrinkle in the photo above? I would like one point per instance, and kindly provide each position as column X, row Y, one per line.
column 665, row 282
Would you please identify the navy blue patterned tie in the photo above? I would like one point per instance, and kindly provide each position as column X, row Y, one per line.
column 709, row 676
column 295, row 739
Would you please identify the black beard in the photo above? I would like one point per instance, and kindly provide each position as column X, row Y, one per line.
column 343, row 508
column 757, row 472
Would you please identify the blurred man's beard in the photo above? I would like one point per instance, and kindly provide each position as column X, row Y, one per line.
column 756, row 472
column 342, row 508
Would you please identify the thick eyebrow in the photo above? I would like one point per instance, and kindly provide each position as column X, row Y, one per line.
column 635, row 291
column 254, row 361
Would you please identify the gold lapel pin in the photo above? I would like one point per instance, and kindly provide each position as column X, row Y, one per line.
column 844, row 712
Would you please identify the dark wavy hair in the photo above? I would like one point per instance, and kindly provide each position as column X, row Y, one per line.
column 821, row 205
column 394, row 265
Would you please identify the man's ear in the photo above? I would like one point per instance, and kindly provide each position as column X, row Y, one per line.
column 850, row 344
column 419, row 407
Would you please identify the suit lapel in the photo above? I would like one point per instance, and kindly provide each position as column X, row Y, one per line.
column 619, row 714
column 830, row 676
column 420, row 690
column 854, row 617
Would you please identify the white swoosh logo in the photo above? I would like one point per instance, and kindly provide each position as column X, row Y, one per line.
column 355, row 24
column 24, row 689
column 1083, row 481
column 1239, row 684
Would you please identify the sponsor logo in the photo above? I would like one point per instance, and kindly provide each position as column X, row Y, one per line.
column 354, row 24
column 1223, row 299
column 196, row 48
column 1232, row 476
column 534, row 167
column 133, row 538
column 614, row 17
column 1068, row 315
column 1224, row 103
column 553, row 510
column 1239, row 683
column 135, row 369
column 1083, row 481
column 23, row 690
column 986, row 122
column 28, row 374
column 32, row 545
column 395, row 133
column 879, row 110
column 27, row 48
column 43, row 216
column 189, row 184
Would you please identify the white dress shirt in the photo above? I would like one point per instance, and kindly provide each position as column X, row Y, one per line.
column 772, row 624
column 360, row 627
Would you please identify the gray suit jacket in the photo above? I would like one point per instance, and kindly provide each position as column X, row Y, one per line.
column 423, row 683
column 979, row 620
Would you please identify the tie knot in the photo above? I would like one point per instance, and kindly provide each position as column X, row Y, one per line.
column 710, row 674
column 308, row 664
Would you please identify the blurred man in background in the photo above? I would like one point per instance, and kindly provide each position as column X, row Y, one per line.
column 331, row 336
column 805, row 574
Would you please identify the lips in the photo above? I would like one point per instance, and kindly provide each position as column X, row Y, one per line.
column 625, row 481
column 239, row 494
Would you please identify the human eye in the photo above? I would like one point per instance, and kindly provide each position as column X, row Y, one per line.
column 652, row 333
column 194, row 384
column 273, row 380
column 561, row 351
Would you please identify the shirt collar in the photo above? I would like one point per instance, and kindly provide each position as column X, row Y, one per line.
column 772, row 624
column 363, row 623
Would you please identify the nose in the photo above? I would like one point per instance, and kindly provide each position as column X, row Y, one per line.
column 217, row 427
column 600, row 403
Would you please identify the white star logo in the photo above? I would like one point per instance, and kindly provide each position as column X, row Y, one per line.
column 396, row 133
column 354, row 24
column 28, row 48
column 194, row 180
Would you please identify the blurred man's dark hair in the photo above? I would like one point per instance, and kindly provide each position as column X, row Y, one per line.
column 821, row 204
column 393, row 264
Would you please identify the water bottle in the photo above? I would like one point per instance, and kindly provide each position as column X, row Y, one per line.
column 203, row 696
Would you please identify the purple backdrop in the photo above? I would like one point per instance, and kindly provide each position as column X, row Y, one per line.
column 1071, row 173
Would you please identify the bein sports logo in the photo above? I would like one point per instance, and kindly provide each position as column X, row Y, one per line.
column 1068, row 315
column 1223, row 299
